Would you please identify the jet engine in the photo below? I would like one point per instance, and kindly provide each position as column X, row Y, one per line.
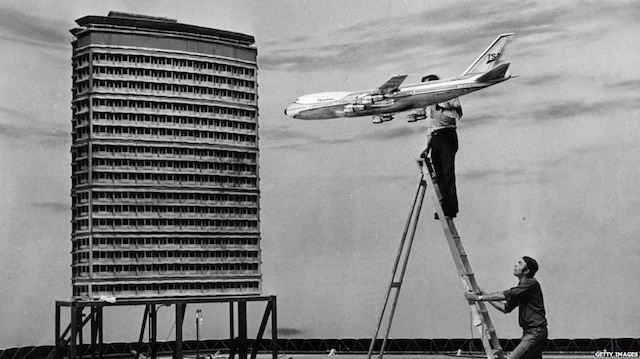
column 417, row 115
column 353, row 108
column 371, row 99
column 382, row 118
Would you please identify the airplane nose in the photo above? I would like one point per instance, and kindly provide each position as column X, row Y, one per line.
column 292, row 111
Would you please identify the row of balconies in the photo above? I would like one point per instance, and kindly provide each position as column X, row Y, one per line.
column 169, row 215
column 147, row 150
column 156, row 130
column 81, row 180
column 156, row 262
column 78, row 168
column 161, row 62
column 174, row 105
column 167, row 122
column 122, row 68
column 167, row 180
column 168, row 241
column 193, row 137
column 171, row 201
column 169, row 256
column 246, row 115
column 150, row 107
column 149, row 80
column 192, row 92
column 168, row 78
column 118, row 208
column 185, row 95
column 80, row 227
column 153, row 61
column 173, row 64
column 164, row 261
column 206, row 198
column 171, row 87
column 166, row 164
column 112, row 273
column 80, row 245
column 167, row 170
column 138, row 128
column 175, row 289
column 141, row 223
column 97, row 154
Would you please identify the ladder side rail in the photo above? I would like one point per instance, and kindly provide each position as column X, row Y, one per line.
column 457, row 252
column 480, row 314
column 419, row 193
column 447, row 226
column 479, row 310
column 414, row 225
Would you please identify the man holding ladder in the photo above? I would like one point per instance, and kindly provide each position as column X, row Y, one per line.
column 527, row 296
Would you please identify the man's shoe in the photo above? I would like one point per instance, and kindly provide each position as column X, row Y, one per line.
column 436, row 217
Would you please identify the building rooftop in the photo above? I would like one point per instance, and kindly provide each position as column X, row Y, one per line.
column 121, row 19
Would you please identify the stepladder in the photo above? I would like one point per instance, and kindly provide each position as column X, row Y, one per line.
column 480, row 315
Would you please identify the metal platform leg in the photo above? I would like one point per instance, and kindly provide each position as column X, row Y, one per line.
column 180, row 309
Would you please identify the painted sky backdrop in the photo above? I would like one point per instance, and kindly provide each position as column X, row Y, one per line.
column 548, row 163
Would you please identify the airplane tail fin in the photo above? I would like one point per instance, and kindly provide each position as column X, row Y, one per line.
column 492, row 58
column 497, row 73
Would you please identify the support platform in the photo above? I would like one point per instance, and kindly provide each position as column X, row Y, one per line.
column 71, row 342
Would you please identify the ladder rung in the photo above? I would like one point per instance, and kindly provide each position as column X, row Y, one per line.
column 396, row 284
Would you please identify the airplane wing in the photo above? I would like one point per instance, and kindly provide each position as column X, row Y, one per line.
column 391, row 85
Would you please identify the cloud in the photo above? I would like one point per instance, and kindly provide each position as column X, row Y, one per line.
column 625, row 85
column 389, row 40
column 287, row 134
column 564, row 110
column 355, row 46
column 478, row 119
column 544, row 79
column 53, row 206
column 22, row 125
column 29, row 29
column 492, row 175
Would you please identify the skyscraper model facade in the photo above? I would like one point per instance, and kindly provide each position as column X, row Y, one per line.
column 165, row 185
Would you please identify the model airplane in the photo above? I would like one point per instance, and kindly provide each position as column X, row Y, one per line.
column 489, row 69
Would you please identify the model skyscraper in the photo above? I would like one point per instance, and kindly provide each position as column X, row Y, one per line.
column 165, row 186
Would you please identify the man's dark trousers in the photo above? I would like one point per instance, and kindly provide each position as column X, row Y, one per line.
column 444, row 145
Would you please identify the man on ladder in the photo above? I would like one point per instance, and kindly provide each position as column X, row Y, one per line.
column 442, row 141
column 527, row 295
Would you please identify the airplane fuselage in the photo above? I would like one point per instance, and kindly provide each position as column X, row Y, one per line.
column 490, row 68
column 329, row 105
